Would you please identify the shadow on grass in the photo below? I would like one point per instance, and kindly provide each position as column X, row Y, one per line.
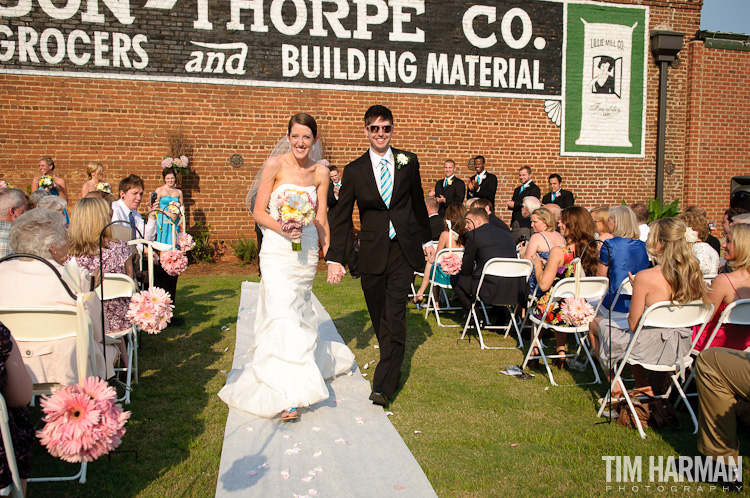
column 166, row 408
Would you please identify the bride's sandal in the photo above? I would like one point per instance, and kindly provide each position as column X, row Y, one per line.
column 289, row 414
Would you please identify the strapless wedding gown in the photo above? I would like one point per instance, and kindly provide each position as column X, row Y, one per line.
column 287, row 363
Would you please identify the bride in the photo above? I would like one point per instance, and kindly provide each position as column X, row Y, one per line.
column 287, row 363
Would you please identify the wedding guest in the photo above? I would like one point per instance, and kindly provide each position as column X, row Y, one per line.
column 90, row 216
column 723, row 391
column 710, row 240
column 601, row 223
column 126, row 209
column 728, row 288
column 54, row 203
column 452, row 237
column 557, row 195
column 350, row 252
column 544, row 238
column 556, row 211
column 449, row 189
column 36, row 196
column 47, row 168
column 483, row 184
column 95, row 173
column 522, row 230
column 482, row 243
column 487, row 206
column 527, row 189
column 436, row 221
column 708, row 259
column 42, row 232
column 168, row 225
column 676, row 278
column 729, row 218
column 621, row 255
column 13, row 204
column 16, row 386
column 578, row 230
column 641, row 214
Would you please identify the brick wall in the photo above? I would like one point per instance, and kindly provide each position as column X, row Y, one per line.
column 124, row 124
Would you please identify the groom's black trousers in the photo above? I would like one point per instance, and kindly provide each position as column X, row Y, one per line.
column 386, row 295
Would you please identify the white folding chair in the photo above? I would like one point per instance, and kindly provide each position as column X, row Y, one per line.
column 421, row 275
column 150, row 247
column 709, row 279
column 736, row 313
column 663, row 314
column 432, row 304
column 118, row 285
column 49, row 323
column 499, row 267
column 14, row 488
column 593, row 289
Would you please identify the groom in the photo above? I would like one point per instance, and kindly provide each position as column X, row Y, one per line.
column 394, row 240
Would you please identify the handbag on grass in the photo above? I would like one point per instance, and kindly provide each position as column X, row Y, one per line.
column 652, row 412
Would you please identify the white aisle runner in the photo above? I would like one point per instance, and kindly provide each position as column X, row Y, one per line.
column 339, row 448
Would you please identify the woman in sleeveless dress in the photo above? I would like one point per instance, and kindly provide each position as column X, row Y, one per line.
column 168, row 226
column 544, row 239
column 451, row 237
column 287, row 363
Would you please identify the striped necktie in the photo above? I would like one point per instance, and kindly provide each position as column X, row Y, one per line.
column 386, row 191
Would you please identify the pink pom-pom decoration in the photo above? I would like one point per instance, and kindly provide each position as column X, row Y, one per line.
column 173, row 261
column 185, row 241
column 576, row 311
column 82, row 421
column 451, row 263
column 150, row 310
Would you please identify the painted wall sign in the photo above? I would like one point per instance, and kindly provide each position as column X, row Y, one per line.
column 585, row 59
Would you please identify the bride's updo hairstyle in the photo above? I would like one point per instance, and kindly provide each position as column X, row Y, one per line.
column 304, row 120
column 668, row 245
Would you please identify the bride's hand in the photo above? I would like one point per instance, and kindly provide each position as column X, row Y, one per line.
column 294, row 233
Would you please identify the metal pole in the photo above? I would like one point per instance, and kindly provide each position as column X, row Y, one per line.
column 661, row 129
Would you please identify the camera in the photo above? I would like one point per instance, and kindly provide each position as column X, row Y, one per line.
column 153, row 198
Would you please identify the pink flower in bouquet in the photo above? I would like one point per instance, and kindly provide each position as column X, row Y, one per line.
column 185, row 241
column 184, row 161
column 150, row 310
column 166, row 162
column 451, row 263
column 576, row 311
column 3, row 184
column 82, row 421
column 173, row 261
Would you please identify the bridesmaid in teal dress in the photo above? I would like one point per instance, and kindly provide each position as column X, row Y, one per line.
column 47, row 168
column 164, row 195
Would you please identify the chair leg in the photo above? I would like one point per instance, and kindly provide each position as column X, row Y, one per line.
column 80, row 476
column 472, row 313
column 684, row 398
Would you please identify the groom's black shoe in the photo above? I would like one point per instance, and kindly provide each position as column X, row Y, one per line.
column 379, row 398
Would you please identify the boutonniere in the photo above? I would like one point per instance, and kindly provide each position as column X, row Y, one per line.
column 402, row 160
column 450, row 182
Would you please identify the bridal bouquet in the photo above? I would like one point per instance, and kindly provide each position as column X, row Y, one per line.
column 185, row 241
column 46, row 181
column 451, row 263
column 174, row 208
column 82, row 421
column 104, row 187
column 173, row 261
column 576, row 312
column 150, row 310
column 296, row 209
column 4, row 184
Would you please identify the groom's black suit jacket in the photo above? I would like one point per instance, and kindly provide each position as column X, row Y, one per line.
column 407, row 212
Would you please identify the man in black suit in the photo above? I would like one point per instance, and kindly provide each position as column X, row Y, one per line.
column 450, row 189
column 394, row 241
column 350, row 254
column 436, row 221
column 526, row 189
column 483, row 243
column 483, row 184
column 563, row 198
column 494, row 220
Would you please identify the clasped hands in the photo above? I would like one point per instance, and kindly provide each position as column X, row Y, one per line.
column 336, row 272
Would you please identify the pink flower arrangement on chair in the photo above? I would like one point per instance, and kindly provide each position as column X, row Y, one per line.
column 576, row 311
column 173, row 261
column 82, row 421
column 451, row 263
column 151, row 310
column 185, row 241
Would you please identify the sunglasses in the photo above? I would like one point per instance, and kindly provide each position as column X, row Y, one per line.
column 375, row 128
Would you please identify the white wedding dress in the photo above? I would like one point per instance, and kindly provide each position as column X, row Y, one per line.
column 287, row 363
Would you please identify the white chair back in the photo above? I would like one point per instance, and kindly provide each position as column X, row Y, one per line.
column 670, row 315
column 35, row 324
column 116, row 285
column 590, row 288
column 438, row 259
column 151, row 245
column 508, row 267
column 625, row 289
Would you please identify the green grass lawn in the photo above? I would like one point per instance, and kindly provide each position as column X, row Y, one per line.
column 482, row 434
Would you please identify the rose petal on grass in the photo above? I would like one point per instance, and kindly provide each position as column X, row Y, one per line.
column 316, row 428
column 252, row 473
column 296, row 444
column 372, row 361
column 417, row 432
column 366, row 365
column 399, row 487
column 287, row 436
column 307, row 479
column 340, row 440
column 312, row 492
column 249, row 429
column 364, row 375
column 376, row 346
column 262, row 466
column 389, row 413
column 223, row 372
column 319, row 468
column 317, row 454
column 286, row 474
column 514, row 444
